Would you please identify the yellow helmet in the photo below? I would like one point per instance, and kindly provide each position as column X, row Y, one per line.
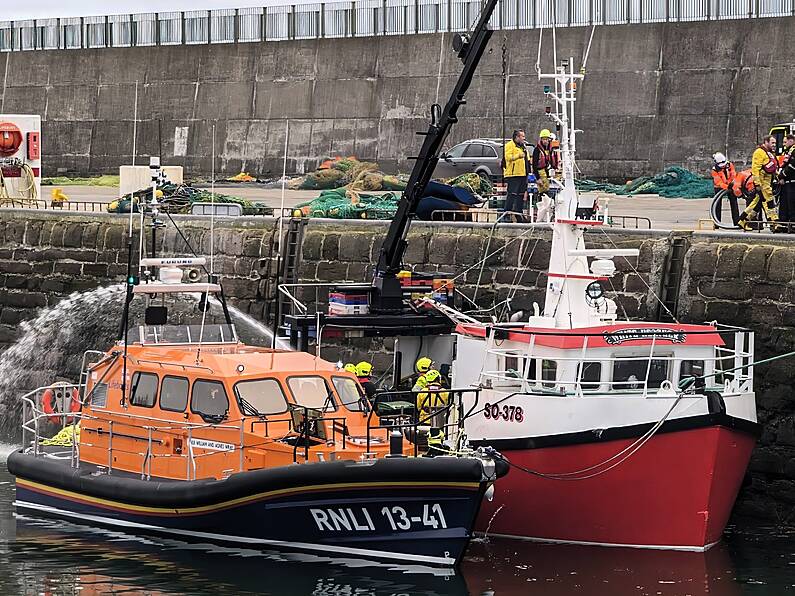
column 364, row 369
column 423, row 364
column 545, row 134
column 433, row 375
column 351, row 368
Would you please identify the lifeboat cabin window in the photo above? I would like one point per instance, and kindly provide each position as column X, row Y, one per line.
column 591, row 375
column 99, row 395
column 350, row 393
column 260, row 397
column 209, row 399
column 143, row 391
column 629, row 375
column 174, row 394
column 312, row 392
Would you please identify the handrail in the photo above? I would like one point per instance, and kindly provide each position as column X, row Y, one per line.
column 740, row 358
column 352, row 19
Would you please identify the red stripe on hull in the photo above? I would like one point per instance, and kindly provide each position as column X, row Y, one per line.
column 676, row 491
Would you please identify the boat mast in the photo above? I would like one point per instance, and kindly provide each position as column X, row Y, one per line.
column 574, row 295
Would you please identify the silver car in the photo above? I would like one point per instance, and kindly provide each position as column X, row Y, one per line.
column 481, row 156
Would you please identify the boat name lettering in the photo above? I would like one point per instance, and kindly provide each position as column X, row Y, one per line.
column 359, row 519
column 211, row 445
column 505, row 412
column 618, row 337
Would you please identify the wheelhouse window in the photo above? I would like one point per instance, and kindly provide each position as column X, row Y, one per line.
column 630, row 374
column 312, row 392
column 260, row 397
column 549, row 372
column 174, row 394
column 209, row 399
column 143, row 390
column 691, row 368
column 514, row 369
column 350, row 393
column 590, row 375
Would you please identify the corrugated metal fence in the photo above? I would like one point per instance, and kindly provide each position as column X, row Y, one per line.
column 362, row 18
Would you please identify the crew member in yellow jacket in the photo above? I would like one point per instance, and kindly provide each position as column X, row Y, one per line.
column 763, row 169
column 515, row 172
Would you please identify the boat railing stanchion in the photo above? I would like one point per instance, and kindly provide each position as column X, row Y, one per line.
column 648, row 366
column 110, row 446
column 190, row 454
column 242, row 435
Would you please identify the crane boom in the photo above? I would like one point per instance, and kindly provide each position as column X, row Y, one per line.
column 387, row 295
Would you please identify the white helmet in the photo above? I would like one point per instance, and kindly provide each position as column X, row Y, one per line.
column 719, row 159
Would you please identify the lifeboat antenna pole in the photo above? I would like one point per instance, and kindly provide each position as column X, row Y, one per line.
column 212, row 246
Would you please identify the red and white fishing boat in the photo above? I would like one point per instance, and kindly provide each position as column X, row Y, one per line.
column 616, row 447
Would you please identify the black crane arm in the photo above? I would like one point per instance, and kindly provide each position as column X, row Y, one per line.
column 387, row 294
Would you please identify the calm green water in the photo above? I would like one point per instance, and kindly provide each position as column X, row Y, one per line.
column 52, row 557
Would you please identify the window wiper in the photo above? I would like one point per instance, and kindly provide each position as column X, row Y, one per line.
column 252, row 411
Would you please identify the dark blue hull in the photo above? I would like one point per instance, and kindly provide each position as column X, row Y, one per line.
column 409, row 510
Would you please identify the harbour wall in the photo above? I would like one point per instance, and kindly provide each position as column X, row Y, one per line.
column 654, row 95
column 740, row 280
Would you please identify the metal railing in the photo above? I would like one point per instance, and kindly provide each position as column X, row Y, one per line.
column 731, row 367
column 363, row 18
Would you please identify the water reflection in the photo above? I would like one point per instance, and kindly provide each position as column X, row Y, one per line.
column 558, row 570
column 54, row 557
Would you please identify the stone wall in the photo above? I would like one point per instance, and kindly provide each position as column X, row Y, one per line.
column 655, row 95
column 737, row 279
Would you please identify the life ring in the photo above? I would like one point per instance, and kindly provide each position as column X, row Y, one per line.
column 53, row 401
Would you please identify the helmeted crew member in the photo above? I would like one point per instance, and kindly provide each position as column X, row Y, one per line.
column 786, row 178
column 422, row 366
column 723, row 172
column 515, row 172
column 763, row 168
column 350, row 367
column 431, row 397
column 364, row 371
column 545, row 160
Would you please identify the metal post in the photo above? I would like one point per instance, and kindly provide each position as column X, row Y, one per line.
column 709, row 8
column 321, row 21
column 236, row 27
column 157, row 29
column 291, row 23
column 242, row 436
column 209, row 26
column 416, row 16
column 107, row 33
column 264, row 27
column 383, row 17
column 110, row 446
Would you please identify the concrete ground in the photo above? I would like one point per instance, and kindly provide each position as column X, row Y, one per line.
column 665, row 214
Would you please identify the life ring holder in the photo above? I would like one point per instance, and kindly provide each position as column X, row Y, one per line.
column 53, row 401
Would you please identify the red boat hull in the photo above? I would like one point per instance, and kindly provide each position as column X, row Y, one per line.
column 676, row 491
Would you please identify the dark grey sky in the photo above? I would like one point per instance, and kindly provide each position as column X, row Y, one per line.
column 42, row 9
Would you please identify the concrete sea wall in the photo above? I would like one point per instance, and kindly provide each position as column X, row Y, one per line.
column 655, row 95
column 46, row 256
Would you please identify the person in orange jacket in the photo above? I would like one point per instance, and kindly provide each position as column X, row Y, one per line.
column 723, row 172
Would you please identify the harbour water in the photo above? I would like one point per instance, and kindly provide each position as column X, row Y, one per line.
column 53, row 557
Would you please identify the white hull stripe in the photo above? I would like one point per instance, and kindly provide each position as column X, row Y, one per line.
column 360, row 552
column 692, row 549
